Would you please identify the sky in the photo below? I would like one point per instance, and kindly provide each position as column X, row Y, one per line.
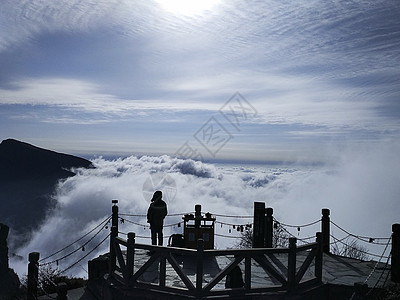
column 233, row 80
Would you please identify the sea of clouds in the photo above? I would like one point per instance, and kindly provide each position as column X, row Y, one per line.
column 361, row 189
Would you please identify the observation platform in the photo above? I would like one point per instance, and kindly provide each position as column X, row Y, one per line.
column 196, row 270
column 339, row 275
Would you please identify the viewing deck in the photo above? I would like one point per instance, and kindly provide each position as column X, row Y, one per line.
column 172, row 273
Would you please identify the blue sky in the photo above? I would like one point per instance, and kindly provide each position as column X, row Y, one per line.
column 147, row 77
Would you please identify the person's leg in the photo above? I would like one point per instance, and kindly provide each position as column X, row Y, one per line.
column 160, row 237
column 153, row 236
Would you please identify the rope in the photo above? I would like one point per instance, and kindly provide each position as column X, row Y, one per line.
column 47, row 277
column 298, row 226
column 82, row 258
column 338, row 241
column 365, row 252
column 135, row 223
column 303, row 240
column 230, row 216
column 373, row 270
column 142, row 215
column 380, row 276
column 43, row 274
column 231, row 224
column 78, row 240
column 76, row 250
column 148, row 226
column 227, row 236
column 362, row 238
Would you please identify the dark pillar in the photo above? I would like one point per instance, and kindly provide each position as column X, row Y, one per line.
column 326, row 229
column 113, row 255
column 318, row 257
column 197, row 215
column 130, row 253
column 4, row 229
column 292, row 264
column 114, row 234
column 395, row 271
column 33, row 275
column 114, row 219
column 199, row 268
column 259, row 225
column 269, row 223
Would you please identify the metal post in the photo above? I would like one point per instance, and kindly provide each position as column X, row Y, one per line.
column 318, row 257
column 130, row 253
column 199, row 268
column 395, row 271
column 259, row 225
column 292, row 264
column 269, row 220
column 33, row 275
column 326, row 229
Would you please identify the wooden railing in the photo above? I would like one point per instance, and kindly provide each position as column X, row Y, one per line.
column 285, row 275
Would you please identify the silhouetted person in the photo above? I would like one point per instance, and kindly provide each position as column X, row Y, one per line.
column 155, row 216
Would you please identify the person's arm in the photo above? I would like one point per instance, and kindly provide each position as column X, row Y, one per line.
column 149, row 214
column 165, row 210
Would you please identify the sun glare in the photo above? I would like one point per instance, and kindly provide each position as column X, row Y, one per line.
column 187, row 7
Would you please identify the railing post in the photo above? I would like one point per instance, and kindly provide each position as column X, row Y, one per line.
column 33, row 275
column 259, row 225
column 163, row 270
column 113, row 255
column 130, row 253
column 326, row 229
column 199, row 268
column 114, row 218
column 318, row 257
column 395, row 271
column 114, row 234
column 269, row 220
column 292, row 264
column 247, row 273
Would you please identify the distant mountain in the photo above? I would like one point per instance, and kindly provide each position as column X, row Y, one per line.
column 19, row 160
column 28, row 175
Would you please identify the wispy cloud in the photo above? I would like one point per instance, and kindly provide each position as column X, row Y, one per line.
column 323, row 64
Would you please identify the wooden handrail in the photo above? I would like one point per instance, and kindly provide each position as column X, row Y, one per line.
column 265, row 257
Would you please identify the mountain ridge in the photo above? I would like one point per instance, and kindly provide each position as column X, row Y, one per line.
column 28, row 178
column 22, row 160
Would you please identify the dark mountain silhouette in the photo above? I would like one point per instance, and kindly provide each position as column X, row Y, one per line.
column 28, row 175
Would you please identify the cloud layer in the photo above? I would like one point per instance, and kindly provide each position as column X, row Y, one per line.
column 361, row 187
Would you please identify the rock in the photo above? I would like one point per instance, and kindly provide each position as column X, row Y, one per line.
column 9, row 281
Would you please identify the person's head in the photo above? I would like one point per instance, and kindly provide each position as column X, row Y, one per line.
column 156, row 196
